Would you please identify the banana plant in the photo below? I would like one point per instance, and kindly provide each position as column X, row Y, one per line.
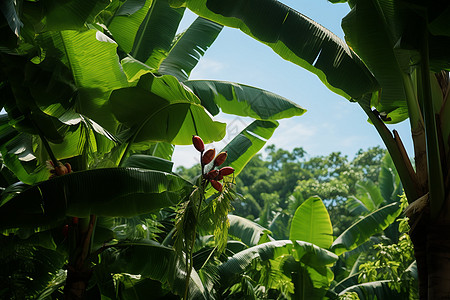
column 394, row 64
column 261, row 267
column 97, row 84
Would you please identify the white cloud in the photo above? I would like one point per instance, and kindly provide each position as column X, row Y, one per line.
column 207, row 68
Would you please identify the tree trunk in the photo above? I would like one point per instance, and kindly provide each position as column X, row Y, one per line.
column 418, row 237
column 431, row 241
column 438, row 260
column 76, row 284
column 78, row 270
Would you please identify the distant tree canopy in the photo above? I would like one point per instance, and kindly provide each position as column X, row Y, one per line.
column 281, row 180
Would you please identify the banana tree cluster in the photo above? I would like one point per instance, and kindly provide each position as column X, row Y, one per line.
column 104, row 86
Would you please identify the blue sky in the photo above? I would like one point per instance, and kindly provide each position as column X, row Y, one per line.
column 331, row 123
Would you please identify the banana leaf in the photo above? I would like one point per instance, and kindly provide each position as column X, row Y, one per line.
column 311, row 223
column 295, row 38
column 162, row 109
column 115, row 192
column 306, row 253
column 363, row 229
column 152, row 260
column 189, row 48
column 243, row 100
column 249, row 232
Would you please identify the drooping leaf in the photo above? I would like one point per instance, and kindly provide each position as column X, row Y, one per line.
column 162, row 109
column 156, row 33
column 134, row 192
column 412, row 270
column 189, row 48
column 369, row 24
column 134, row 69
column 247, row 143
column 132, row 287
column 247, row 231
column 346, row 283
column 152, row 260
column 306, row 253
column 279, row 225
column 311, row 223
column 295, row 38
column 355, row 206
column 371, row 224
column 243, row 100
column 379, row 289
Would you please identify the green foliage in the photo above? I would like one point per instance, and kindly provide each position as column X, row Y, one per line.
column 390, row 262
column 99, row 84
column 289, row 177
column 311, row 223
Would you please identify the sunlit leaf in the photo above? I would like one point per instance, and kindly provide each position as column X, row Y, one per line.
column 295, row 38
column 243, row 100
column 247, row 231
column 189, row 48
column 311, row 223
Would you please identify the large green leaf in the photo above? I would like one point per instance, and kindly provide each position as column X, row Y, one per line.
column 162, row 109
column 134, row 69
column 105, row 192
column 147, row 33
column 189, row 48
column 355, row 206
column 311, row 223
column 71, row 14
column 307, row 253
column 368, row 24
column 295, row 38
column 152, row 260
column 243, row 100
column 363, row 229
column 247, row 143
column 249, row 232
column 125, row 24
column 95, row 67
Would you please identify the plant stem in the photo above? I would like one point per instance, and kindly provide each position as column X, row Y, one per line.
column 190, row 265
column 402, row 164
column 434, row 167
